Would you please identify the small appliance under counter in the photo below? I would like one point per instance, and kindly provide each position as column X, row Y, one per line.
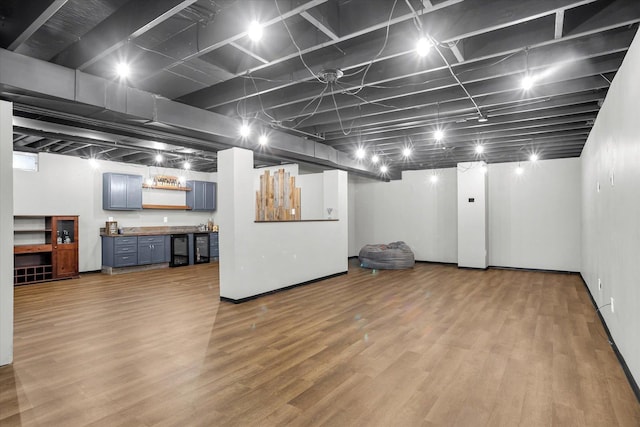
column 179, row 250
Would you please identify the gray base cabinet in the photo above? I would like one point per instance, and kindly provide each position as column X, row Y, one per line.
column 128, row 251
column 121, row 192
column 202, row 196
column 151, row 249
column 119, row 251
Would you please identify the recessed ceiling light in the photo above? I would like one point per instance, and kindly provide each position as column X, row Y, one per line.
column 423, row 46
column 439, row 134
column 533, row 157
column 375, row 158
column 245, row 130
column 384, row 168
column 187, row 165
column 263, row 140
column 479, row 149
column 406, row 152
column 360, row 153
column 159, row 158
column 122, row 69
column 255, row 31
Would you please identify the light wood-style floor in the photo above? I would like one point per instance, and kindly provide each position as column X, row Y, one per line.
column 432, row 346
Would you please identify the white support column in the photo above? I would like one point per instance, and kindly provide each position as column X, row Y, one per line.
column 472, row 215
column 6, row 233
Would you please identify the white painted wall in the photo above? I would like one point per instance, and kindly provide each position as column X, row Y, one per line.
column 312, row 200
column 66, row 185
column 611, row 217
column 351, row 194
column 6, row 233
column 260, row 257
column 534, row 218
column 472, row 216
column 414, row 209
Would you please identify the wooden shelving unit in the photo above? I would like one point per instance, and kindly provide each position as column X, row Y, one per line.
column 166, row 187
column 38, row 255
column 167, row 207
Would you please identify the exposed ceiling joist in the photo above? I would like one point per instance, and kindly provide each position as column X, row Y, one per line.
column 130, row 21
column 42, row 17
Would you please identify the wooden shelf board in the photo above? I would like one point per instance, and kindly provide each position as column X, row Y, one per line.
column 168, row 207
column 30, row 249
column 166, row 187
column 33, row 231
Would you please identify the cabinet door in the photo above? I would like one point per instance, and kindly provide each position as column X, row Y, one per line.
column 65, row 260
column 157, row 253
column 64, row 252
column 134, row 192
column 202, row 196
column 144, row 253
column 209, row 196
column 121, row 191
column 114, row 191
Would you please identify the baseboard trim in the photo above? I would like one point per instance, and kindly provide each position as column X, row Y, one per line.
column 534, row 270
column 437, row 262
column 623, row 363
column 286, row 288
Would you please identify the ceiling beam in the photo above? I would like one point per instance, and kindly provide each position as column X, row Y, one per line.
column 36, row 22
column 233, row 90
column 249, row 52
column 557, row 34
column 615, row 14
column 530, row 118
column 128, row 22
column 351, row 110
column 325, row 18
column 475, row 20
column 38, row 78
column 395, row 72
column 501, row 105
column 229, row 25
column 463, row 107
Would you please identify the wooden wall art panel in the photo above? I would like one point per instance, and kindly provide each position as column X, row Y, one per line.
column 278, row 198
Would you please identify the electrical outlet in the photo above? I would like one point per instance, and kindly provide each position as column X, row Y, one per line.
column 612, row 306
column 599, row 284
column 166, row 219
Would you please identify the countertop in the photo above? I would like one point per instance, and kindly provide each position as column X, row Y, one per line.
column 150, row 231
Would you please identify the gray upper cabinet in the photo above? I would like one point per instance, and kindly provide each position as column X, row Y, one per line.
column 202, row 196
column 121, row 191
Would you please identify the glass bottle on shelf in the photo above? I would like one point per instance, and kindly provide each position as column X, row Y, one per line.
column 67, row 238
column 58, row 237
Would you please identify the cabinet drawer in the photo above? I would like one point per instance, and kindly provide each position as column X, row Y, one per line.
column 125, row 249
column 121, row 241
column 124, row 260
column 150, row 240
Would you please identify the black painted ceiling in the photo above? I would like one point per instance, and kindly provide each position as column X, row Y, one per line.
column 387, row 98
